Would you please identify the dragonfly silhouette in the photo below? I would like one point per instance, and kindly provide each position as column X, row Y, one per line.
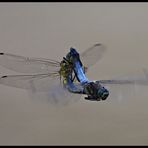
column 68, row 75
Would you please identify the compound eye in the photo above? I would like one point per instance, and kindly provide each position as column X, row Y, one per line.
column 105, row 95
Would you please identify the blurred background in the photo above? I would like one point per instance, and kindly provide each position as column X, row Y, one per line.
column 48, row 30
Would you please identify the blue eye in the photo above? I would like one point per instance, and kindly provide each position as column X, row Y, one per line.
column 103, row 93
column 100, row 92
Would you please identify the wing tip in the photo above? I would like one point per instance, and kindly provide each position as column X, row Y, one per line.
column 3, row 76
column 1, row 53
column 101, row 46
column 98, row 44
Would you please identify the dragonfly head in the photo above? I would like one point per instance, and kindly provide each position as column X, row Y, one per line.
column 73, row 54
column 102, row 93
column 73, row 51
column 95, row 92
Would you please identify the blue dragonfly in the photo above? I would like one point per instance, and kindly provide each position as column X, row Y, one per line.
column 62, row 78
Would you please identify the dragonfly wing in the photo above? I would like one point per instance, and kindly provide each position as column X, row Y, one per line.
column 41, row 86
column 93, row 54
column 28, row 65
column 124, row 82
column 36, row 82
column 125, row 88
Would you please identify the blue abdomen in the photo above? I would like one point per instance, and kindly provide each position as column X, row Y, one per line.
column 80, row 73
column 78, row 66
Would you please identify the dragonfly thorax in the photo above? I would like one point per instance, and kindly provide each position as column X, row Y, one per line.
column 66, row 69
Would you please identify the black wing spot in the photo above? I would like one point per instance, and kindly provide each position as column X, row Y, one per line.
column 1, row 53
column 98, row 44
column 3, row 76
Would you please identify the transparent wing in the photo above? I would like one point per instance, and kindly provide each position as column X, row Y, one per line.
column 37, row 82
column 93, row 54
column 124, row 82
column 125, row 88
column 28, row 65
column 41, row 65
column 42, row 86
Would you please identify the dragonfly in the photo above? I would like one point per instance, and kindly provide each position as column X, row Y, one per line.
column 66, row 77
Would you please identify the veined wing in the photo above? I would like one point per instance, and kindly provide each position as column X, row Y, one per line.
column 124, row 82
column 122, row 89
column 45, row 87
column 28, row 65
column 35, row 82
column 134, row 80
column 41, row 65
column 93, row 54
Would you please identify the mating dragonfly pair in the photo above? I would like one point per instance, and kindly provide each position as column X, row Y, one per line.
column 69, row 75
